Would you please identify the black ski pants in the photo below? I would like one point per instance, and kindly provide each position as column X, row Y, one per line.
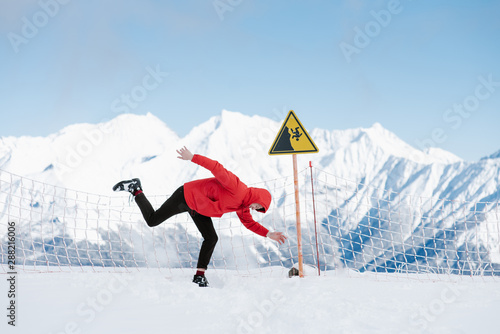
column 174, row 205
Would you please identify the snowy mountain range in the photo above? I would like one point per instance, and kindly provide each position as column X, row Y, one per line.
column 92, row 157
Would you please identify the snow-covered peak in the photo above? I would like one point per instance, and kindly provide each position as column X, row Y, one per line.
column 387, row 140
column 395, row 146
column 137, row 125
column 495, row 155
column 379, row 142
column 442, row 155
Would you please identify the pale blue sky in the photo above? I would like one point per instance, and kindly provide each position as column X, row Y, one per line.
column 73, row 62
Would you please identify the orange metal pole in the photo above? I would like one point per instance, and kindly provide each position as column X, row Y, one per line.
column 297, row 213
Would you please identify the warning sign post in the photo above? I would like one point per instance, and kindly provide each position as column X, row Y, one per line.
column 293, row 139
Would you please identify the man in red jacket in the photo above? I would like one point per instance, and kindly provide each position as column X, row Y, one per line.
column 204, row 199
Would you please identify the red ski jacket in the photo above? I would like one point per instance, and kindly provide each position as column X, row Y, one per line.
column 225, row 193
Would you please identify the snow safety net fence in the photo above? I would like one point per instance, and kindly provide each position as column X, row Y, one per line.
column 345, row 225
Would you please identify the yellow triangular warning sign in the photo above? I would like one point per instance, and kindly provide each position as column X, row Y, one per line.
column 292, row 138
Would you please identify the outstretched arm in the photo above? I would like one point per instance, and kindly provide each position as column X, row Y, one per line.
column 247, row 220
column 228, row 180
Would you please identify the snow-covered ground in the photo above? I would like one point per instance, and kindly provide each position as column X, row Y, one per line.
column 150, row 301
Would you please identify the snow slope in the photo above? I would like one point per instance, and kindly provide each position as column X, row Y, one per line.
column 155, row 302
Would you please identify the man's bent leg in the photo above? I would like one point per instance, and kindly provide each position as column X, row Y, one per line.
column 175, row 204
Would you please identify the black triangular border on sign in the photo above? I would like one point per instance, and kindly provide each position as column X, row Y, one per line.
column 273, row 150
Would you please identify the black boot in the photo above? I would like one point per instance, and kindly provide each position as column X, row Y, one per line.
column 201, row 280
column 132, row 186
